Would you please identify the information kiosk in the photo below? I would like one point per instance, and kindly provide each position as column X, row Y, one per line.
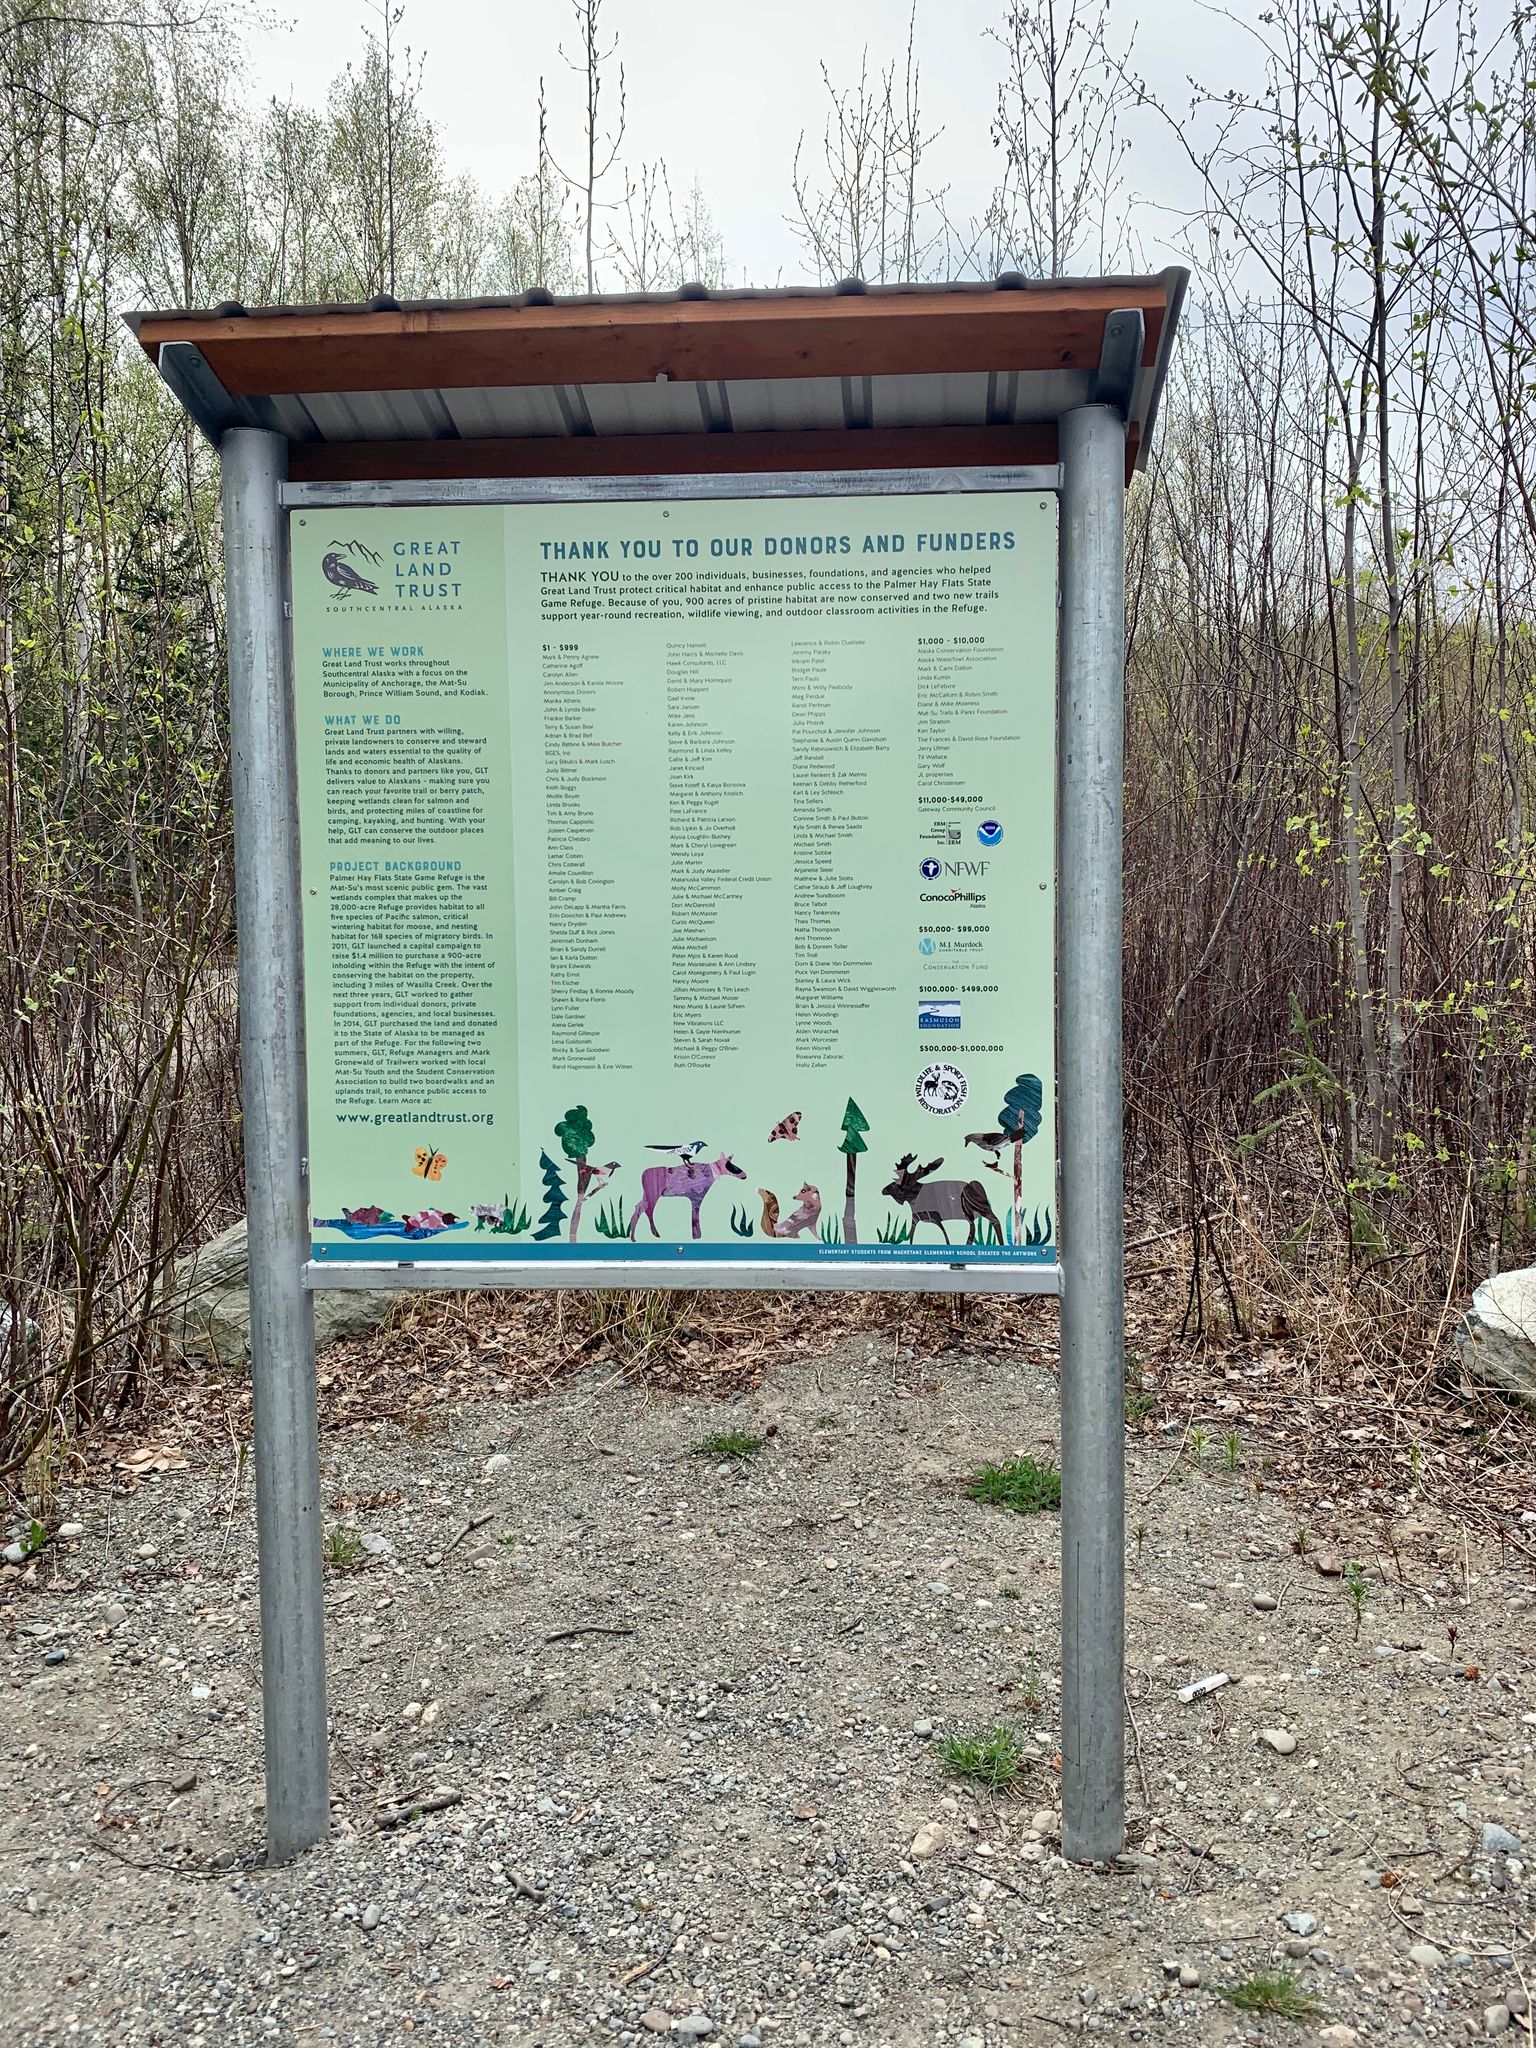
column 677, row 779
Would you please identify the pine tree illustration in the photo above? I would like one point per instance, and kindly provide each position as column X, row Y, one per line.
column 854, row 1127
column 554, row 1207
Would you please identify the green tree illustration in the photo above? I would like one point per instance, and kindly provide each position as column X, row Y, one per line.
column 854, row 1127
column 576, row 1140
column 1020, row 1118
column 554, row 1207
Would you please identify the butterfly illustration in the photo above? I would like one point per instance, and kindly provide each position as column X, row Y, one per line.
column 786, row 1127
column 429, row 1164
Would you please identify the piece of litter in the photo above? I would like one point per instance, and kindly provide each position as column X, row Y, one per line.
column 1202, row 1686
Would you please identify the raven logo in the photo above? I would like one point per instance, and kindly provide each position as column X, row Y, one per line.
column 341, row 572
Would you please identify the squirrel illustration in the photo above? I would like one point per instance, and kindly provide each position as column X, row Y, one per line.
column 805, row 1217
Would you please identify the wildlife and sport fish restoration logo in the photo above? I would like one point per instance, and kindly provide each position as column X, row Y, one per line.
column 337, row 569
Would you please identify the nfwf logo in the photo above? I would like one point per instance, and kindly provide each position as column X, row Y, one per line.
column 931, row 869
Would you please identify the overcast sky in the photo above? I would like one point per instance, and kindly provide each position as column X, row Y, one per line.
column 722, row 88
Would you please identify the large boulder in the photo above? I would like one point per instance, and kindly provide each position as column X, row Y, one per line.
column 1498, row 1339
column 211, row 1303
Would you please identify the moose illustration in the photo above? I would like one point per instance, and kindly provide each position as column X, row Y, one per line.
column 940, row 1201
column 692, row 1180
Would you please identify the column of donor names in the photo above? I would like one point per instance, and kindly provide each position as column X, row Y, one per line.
column 586, row 898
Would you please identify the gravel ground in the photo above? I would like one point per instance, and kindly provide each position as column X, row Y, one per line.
column 722, row 1811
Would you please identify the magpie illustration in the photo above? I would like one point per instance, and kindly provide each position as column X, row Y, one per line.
column 687, row 1153
column 988, row 1141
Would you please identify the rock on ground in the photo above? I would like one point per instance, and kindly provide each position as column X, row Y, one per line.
column 210, row 1307
column 1498, row 1338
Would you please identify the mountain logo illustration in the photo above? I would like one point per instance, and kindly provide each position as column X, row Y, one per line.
column 338, row 570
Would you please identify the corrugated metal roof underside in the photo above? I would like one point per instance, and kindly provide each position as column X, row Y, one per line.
column 513, row 412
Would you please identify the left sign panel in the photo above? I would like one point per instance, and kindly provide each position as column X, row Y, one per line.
column 410, row 960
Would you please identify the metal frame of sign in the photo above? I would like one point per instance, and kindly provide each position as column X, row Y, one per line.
column 1089, row 1277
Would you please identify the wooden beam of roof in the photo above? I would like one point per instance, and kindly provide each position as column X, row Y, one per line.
column 1040, row 328
column 675, row 454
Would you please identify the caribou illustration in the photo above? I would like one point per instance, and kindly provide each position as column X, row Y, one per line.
column 940, row 1201
column 694, row 1180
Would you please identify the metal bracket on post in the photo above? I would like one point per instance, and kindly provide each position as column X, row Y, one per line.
column 267, row 910
column 187, row 371
column 1125, row 339
column 1092, row 1195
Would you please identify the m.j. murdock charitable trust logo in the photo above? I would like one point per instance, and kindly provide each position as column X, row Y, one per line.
column 428, row 573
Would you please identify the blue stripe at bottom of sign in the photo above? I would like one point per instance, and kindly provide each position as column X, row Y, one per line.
column 781, row 1252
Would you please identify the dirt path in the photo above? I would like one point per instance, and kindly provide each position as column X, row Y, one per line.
column 698, row 1814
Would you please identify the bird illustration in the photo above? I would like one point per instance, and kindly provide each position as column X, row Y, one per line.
column 342, row 573
column 988, row 1141
column 600, row 1176
column 687, row 1153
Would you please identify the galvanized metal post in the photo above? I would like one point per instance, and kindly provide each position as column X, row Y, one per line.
column 1092, row 1192
column 267, row 904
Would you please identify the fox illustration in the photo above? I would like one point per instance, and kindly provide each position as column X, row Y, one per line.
column 805, row 1217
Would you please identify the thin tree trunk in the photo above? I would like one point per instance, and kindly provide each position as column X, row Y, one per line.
column 1402, row 805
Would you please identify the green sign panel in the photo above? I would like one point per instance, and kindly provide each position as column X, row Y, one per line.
column 679, row 879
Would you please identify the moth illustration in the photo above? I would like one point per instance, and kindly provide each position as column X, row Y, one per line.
column 786, row 1127
column 429, row 1164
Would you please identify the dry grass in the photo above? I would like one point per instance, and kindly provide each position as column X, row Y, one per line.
column 526, row 1343
column 1338, row 1368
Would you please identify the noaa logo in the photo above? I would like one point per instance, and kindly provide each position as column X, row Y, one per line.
column 990, row 832
column 927, row 948
column 941, row 1088
column 930, row 868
